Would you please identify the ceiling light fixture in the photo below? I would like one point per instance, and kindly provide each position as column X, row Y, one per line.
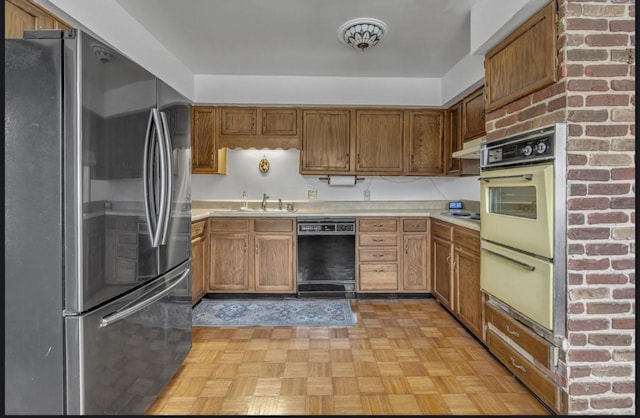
column 362, row 33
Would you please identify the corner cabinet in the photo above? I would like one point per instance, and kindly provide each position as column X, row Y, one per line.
column 206, row 156
column 252, row 255
column 473, row 115
column 326, row 141
column 21, row 15
column 199, row 264
column 456, row 273
column 465, row 121
column 424, row 139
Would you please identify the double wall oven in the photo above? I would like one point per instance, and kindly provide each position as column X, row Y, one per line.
column 523, row 232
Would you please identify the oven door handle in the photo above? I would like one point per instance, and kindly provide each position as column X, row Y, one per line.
column 521, row 264
column 528, row 177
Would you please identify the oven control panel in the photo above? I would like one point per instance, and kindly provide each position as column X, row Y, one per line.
column 530, row 148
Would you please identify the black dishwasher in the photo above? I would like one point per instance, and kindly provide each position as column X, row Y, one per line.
column 326, row 256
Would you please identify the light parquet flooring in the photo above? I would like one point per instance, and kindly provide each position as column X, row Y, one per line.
column 403, row 357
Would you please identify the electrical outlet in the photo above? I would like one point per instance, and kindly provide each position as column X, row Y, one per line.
column 367, row 194
column 312, row 194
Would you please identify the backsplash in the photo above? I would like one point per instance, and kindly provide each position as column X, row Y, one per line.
column 284, row 181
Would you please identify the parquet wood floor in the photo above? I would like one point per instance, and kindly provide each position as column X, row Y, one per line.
column 403, row 357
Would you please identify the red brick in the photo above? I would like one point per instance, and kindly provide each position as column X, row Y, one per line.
column 598, row 10
column 587, row 85
column 574, row 70
column 590, row 356
column 518, row 104
column 623, row 203
column 624, row 387
column 588, row 144
column 589, row 293
column 575, row 249
column 623, row 323
column 606, row 40
column 622, row 26
column 615, row 371
column 575, row 279
column 611, row 404
column 607, row 131
column 576, row 339
column 589, row 175
column 606, row 70
column 548, row 92
column 587, row 55
column 555, row 104
column 606, row 249
column 588, row 324
column 522, row 127
column 574, row 130
column 575, row 101
column 606, row 278
column 578, row 405
column 623, row 85
column 608, row 100
column 588, row 233
column 624, row 355
column 611, row 160
column 573, row 160
column 607, row 218
column 624, row 173
column 623, row 264
column 578, row 189
column 578, row 24
column 576, row 218
column 599, row 308
column 623, row 144
column 508, row 121
column 588, row 203
column 588, row 115
column 623, row 233
column 588, row 264
column 576, row 308
column 496, row 114
column 609, row 189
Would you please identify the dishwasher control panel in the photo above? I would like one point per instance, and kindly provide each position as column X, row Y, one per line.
column 326, row 226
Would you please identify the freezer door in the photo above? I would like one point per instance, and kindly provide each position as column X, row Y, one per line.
column 108, row 107
column 120, row 356
column 176, row 237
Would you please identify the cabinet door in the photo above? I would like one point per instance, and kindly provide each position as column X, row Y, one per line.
column 229, row 258
column 21, row 15
column 198, row 268
column 326, row 141
column 279, row 122
column 379, row 141
column 425, row 143
column 473, row 120
column 466, row 270
column 238, row 121
column 414, row 261
column 454, row 139
column 203, row 149
column 274, row 263
column 442, row 277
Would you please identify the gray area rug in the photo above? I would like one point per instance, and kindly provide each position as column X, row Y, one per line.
column 273, row 313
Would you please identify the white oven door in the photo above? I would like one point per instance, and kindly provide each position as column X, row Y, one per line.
column 523, row 282
column 516, row 208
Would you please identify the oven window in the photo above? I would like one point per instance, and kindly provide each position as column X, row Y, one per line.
column 513, row 201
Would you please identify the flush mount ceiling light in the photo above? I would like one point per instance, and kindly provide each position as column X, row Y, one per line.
column 362, row 33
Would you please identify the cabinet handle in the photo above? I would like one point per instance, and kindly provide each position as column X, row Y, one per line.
column 347, row 157
column 358, row 158
column 377, row 240
column 406, row 248
column 256, row 248
column 517, row 366
column 448, row 257
column 378, row 225
column 415, row 225
column 512, row 332
column 245, row 247
column 455, row 266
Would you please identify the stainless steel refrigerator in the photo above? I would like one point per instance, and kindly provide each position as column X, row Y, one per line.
column 97, row 228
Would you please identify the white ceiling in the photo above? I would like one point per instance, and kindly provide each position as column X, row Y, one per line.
column 299, row 37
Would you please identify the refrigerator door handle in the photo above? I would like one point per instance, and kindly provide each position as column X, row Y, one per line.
column 130, row 309
column 145, row 179
column 162, row 160
column 169, row 174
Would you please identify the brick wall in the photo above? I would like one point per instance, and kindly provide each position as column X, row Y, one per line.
column 595, row 95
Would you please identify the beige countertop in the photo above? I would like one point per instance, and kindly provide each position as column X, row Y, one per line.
column 317, row 209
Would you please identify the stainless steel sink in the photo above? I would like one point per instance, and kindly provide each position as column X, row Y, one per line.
column 267, row 210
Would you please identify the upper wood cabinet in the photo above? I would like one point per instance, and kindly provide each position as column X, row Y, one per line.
column 524, row 62
column 206, row 155
column 453, row 166
column 258, row 127
column 21, row 15
column 424, row 139
column 326, row 141
column 473, row 120
column 379, row 141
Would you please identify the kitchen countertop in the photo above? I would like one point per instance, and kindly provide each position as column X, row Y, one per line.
column 317, row 209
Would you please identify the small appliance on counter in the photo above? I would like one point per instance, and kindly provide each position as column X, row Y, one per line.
column 455, row 209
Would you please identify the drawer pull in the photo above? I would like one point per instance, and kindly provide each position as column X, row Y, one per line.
column 377, row 255
column 378, row 225
column 517, row 366
column 377, row 240
column 512, row 332
column 415, row 226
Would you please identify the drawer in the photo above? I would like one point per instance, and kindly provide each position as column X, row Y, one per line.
column 414, row 225
column 467, row 238
column 197, row 228
column 378, row 254
column 524, row 370
column 539, row 349
column 378, row 277
column 228, row 225
column 273, row 225
column 378, row 225
column 442, row 230
column 377, row 240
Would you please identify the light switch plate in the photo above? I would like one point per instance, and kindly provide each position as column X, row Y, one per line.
column 312, row 194
column 367, row 194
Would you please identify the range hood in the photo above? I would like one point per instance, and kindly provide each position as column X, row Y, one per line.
column 470, row 149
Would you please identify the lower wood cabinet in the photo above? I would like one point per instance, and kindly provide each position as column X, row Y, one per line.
column 198, row 259
column 252, row 255
column 456, row 273
column 415, row 255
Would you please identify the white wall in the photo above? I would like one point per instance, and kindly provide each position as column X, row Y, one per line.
column 284, row 181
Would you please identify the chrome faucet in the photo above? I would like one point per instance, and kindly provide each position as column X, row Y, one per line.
column 263, row 205
column 280, row 204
